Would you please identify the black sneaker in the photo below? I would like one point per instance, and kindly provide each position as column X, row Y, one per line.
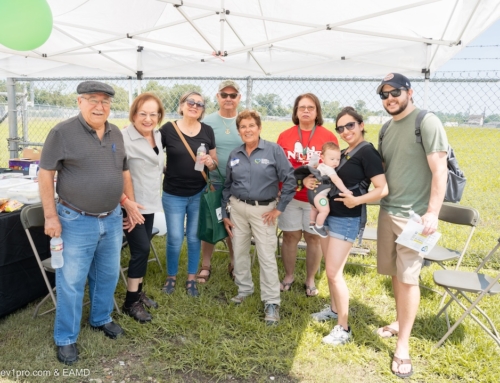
column 111, row 330
column 138, row 312
column 67, row 354
column 148, row 302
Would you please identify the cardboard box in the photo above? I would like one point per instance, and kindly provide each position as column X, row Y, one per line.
column 29, row 156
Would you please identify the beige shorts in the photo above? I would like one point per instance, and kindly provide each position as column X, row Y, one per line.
column 295, row 217
column 393, row 258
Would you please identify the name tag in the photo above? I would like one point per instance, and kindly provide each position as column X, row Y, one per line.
column 234, row 162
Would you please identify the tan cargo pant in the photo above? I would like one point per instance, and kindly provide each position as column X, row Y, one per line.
column 247, row 220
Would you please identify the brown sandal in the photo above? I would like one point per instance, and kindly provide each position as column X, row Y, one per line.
column 204, row 278
column 400, row 362
column 390, row 330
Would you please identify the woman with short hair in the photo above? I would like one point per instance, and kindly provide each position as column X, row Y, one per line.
column 253, row 175
column 145, row 159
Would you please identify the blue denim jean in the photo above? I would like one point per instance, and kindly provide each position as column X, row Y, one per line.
column 91, row 251
column 177, row 209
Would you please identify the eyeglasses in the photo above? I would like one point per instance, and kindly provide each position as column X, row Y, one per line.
column 145, row 115
column 192, row 103
column 393, row 93
column 348, row 126
column 309, row 108
column 95, row 102
column 232, row 96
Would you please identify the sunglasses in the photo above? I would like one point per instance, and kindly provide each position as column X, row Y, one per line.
column 192, row 103
column 394, row 93
column 232, row 96
column 348, row 126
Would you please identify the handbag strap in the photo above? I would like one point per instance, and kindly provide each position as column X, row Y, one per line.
column 190, row 151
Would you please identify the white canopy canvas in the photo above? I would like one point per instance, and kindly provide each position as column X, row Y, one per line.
column 196, row 38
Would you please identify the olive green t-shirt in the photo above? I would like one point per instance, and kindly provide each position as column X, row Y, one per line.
column 406, row 168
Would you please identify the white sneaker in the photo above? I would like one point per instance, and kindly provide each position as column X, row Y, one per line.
column 238, row 299
column 338, row 336
column 325, row 314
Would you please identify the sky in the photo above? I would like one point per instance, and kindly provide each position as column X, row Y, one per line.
column 489, row 37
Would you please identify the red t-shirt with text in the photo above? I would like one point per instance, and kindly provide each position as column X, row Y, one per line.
column 289, row 137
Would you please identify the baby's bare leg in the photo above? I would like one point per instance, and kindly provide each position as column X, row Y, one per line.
column 323, row 206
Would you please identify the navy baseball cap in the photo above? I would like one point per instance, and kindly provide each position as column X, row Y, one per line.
column 396, row 80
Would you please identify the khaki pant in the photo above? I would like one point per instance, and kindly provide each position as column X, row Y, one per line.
column 393, row 258
column 247, row 220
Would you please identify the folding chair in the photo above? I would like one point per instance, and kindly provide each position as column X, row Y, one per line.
column 156, row 259
column 472, row 282
column 32, row 216
column 458, row 215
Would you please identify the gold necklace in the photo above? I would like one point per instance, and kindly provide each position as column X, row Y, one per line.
column 228, row 130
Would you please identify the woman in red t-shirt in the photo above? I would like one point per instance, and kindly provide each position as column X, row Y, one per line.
column 300, row 143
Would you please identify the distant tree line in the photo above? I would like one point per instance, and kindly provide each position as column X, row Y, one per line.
column 268, row 104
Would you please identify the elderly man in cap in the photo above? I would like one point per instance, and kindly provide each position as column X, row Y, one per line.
column 416, row 175
column 223, row 122
column 88, row 155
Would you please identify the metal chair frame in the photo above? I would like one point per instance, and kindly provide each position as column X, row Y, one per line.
column 32, row 216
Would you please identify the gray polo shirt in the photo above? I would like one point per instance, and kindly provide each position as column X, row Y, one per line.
column 89, row 171
column 257, row 177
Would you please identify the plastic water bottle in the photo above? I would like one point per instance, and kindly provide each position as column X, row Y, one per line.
column 56, row 251
column 415, row 217
column 298, row 150
column 314, row 160
column 199, row 153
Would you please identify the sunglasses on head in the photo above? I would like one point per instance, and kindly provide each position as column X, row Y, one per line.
column 232, row 96
column 393, row 93
column 348, row 126
column 192, row 103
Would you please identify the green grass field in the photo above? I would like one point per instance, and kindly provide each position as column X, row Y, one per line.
column 209, row 339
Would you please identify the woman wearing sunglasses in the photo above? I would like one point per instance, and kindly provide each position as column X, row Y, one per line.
column 300, row 143
column 183, row 186
column 345, row 216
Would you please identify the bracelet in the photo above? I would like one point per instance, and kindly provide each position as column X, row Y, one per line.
column 123, row 200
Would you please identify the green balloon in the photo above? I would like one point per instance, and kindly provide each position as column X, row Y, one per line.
column 24, row 24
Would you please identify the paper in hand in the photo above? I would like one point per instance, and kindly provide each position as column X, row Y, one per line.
column 413, row 238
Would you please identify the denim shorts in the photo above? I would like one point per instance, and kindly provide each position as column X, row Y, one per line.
column 344, row 228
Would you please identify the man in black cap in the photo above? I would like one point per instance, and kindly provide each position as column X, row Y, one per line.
column 89, row 156
column 416, row 175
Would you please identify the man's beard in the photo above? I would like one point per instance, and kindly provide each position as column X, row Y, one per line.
column 402, row 106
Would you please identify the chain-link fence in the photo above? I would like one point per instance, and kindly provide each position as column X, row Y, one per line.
column 468, row 106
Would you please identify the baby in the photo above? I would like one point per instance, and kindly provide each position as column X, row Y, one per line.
column 330, row 155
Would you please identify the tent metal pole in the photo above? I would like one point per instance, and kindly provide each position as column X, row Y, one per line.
column 130, row 92
column 427, row 74
column 241, row 40
column 222, row 19
column 11, row 99
column 204, row 51
column 200, row 32
column 249, row 92
column 139, row 69
column 24, row 115
column 95, row 50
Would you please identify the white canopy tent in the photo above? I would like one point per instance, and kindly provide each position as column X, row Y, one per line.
column 155, row 38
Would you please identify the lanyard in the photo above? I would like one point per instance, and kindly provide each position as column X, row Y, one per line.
column 304, row 148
